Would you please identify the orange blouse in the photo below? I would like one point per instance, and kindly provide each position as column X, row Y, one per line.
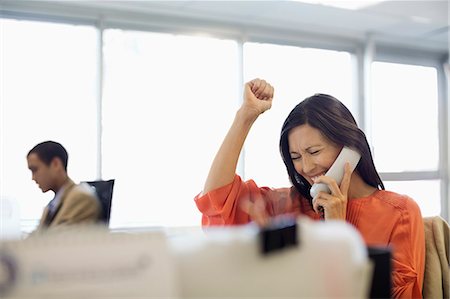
column 384, row 218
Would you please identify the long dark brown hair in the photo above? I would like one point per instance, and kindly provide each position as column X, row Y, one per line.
column 335, row 122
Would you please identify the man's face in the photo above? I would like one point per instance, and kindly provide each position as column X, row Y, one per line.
column 41, row 173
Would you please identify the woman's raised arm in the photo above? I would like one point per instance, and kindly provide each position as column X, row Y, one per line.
column 258, row 95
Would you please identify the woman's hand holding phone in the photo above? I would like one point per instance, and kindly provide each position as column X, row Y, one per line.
column 334, row 205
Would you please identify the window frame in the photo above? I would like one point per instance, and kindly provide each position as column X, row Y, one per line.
column 364, row 52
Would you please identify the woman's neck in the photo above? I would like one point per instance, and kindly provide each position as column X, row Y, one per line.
column 359, row 188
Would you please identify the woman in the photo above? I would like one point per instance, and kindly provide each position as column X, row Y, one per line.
column 311, row 138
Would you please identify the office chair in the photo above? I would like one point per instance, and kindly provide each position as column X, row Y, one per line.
column 436, row 275
column 104, row 191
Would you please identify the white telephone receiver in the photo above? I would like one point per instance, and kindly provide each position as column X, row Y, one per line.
column 336, row 170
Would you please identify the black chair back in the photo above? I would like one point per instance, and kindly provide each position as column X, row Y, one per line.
column 104, row 191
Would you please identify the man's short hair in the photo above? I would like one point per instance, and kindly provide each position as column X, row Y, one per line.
column 48, row 150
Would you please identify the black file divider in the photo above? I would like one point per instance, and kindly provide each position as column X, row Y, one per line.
column 280, row 234
column 381, row 279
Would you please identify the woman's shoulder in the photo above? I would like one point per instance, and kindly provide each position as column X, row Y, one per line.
column 396, row 200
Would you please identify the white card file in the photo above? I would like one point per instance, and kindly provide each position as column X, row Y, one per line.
column 88, row 263
column 330, row 261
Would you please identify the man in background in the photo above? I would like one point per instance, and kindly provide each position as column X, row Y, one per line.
column 72, row 204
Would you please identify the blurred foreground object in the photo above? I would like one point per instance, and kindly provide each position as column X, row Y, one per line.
column 330, row 260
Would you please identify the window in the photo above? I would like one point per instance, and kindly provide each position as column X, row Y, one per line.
column 405, row 131
column 405, row 117
column 425, row 193
column 168, row 103
column 296, row 73
column 48, row 75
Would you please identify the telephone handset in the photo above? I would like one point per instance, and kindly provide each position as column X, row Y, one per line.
column 336, row 170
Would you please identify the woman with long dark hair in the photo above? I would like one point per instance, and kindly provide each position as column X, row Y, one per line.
column 312, row 137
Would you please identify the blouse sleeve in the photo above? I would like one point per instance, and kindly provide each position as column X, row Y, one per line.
column 408, row 242
column 222, row 206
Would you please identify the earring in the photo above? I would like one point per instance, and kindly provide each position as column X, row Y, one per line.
column 298, row 178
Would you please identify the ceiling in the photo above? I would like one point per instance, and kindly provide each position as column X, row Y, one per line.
column 420, row 23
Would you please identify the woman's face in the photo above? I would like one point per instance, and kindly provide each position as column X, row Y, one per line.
column 311, row 152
